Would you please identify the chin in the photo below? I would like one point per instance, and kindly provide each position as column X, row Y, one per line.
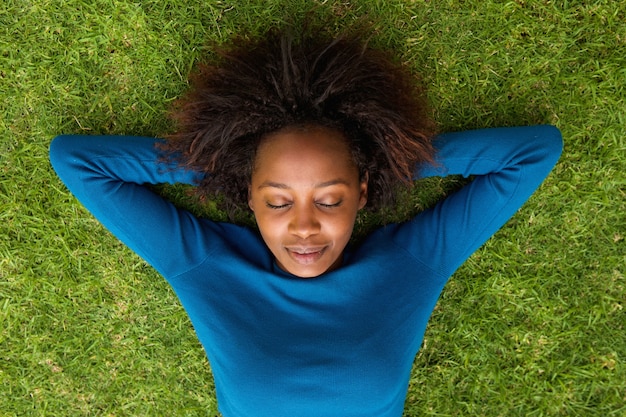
column 306, row 273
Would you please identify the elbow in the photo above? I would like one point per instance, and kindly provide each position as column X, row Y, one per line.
column 549, row 143
column 62, row 155
column 58, row 151
column 554, row 140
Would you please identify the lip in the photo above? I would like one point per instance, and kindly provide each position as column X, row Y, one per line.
column 306, row 255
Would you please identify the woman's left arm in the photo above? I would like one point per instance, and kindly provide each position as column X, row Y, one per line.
column 508, row 164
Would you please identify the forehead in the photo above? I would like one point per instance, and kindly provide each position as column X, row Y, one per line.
column 304, row 151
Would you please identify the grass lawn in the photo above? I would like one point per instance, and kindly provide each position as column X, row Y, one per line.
column 532, row 325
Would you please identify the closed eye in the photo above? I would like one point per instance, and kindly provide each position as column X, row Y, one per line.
column 337, row 204
column 276, row 207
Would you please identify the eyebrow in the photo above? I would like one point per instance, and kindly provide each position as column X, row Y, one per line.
column 282, row 186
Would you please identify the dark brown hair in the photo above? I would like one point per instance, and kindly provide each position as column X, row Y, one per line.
column 295, row 77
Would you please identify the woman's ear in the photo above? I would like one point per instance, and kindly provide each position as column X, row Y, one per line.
column 250, row 204
column 363, row 186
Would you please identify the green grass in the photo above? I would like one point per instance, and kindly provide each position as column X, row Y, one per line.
column 532, row 325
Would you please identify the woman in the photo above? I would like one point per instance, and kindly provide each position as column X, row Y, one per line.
column 305, row 131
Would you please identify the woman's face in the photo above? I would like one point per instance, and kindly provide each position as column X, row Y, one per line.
column 305, row 193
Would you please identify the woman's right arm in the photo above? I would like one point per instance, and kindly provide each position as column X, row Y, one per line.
column 109, row 174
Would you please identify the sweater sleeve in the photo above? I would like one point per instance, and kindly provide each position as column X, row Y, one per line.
column 508, row 164
column 109, row 174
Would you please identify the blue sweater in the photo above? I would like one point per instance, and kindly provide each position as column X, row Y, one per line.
column 341, row 344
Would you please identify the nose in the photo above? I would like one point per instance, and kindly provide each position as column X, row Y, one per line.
column 304, row 223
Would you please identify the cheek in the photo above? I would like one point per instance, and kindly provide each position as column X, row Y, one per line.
column 270, row 227
column 341, row 227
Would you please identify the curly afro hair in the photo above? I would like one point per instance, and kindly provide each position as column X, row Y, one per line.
column 292, row 77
